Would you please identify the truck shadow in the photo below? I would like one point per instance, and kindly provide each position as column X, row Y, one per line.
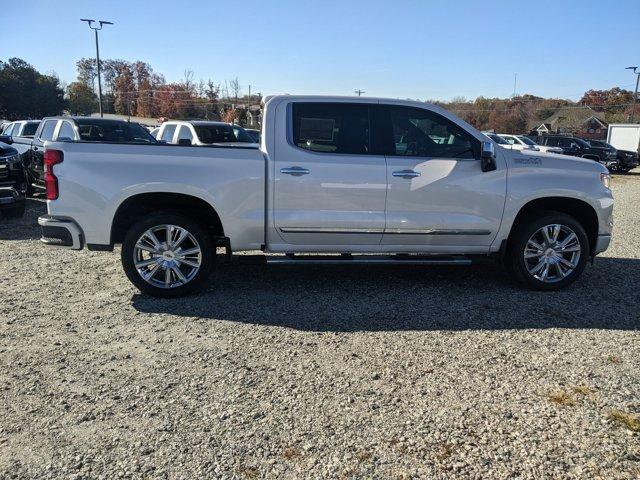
column 25, row 228
column 402, row 298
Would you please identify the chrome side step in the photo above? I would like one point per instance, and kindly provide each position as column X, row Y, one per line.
column 346, row 259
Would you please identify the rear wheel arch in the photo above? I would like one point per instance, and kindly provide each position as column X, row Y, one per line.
column 584, row 213
column 136, row 207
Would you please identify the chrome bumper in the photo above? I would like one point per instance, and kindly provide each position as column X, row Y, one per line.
column 60, row 232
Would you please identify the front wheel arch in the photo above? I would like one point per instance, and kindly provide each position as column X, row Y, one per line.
column 584, row 213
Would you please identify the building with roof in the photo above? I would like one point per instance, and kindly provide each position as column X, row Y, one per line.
column 581, row 121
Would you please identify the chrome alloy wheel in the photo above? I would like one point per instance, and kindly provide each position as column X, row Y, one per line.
column 167, row 256
column 552, row 253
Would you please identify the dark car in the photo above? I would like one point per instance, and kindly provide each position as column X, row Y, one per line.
column 71, row 129
column 13, row 184
column 627, row 159
column 578, row 147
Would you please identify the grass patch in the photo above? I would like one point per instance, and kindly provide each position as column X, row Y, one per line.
column 627, row 420
column 291, row 453
column 445, row 452
column 582, row 390
column 561, row 398
column 249, row 472
column 363, row 456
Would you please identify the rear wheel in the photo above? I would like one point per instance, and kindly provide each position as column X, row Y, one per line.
column 167, row 255
column 548, row 251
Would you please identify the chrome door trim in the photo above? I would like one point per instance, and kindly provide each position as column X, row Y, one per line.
column 396, row 231
column 431, row 231
column 295, row 171
column 331, row 230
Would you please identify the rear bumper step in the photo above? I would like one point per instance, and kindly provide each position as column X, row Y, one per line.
column 367, row 259
column 60, row 232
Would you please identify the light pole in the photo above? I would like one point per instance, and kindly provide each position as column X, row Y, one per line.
column 96, row 29
column 635, row 95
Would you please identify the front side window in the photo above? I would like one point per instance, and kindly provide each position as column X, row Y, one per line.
column 66, row 132
column 421, row 133
column 167, row 133
column 331, row 127
column 527, row 141
column 113, row 131
column 48, row 129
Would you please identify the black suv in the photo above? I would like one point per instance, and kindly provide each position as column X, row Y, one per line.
column 578, row 147
column 627, row 159
column 13, row 183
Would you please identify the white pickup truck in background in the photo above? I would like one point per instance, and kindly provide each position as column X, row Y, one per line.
column 353, row 179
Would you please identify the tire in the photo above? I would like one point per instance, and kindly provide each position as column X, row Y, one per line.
column 15, row 211
column 154, row 261
column 555, row 258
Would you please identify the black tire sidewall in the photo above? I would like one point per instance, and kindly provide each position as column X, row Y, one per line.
column 199, row 232
column 526, row 229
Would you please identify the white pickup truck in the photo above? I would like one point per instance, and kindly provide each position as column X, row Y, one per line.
column 337, row 180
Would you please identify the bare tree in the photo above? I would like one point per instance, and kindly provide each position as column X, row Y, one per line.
column 235, row 88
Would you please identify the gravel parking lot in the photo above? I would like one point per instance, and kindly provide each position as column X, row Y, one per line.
column 322, row 372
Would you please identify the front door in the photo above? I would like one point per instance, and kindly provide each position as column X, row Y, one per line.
column 329, row 187
column 438, row 196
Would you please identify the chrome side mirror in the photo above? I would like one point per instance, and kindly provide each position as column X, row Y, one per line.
column 488, row 156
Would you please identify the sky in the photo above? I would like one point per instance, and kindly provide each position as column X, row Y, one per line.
column 392, row 48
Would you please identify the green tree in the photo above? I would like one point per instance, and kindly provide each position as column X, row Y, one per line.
column 81, row 99
column 26, row 93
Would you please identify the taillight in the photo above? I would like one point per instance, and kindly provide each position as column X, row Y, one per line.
column 51, row 158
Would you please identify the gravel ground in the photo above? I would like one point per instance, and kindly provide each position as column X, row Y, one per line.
column 323, row 372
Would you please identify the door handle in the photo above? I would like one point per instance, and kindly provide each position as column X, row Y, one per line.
column 406, row 174
column 295, row 171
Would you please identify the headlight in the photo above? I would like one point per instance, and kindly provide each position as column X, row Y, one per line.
column 605, row 178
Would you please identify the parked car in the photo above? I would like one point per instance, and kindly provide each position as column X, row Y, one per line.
column 627, row 160
column 254, row 134
column 20, row 128
column 13, row 184
column 520, row 142
column 498, row 139
column 202, row 132
column 578, row 147
column 72, row 129
column 401, row 182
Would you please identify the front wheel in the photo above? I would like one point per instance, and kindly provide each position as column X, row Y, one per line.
column 548, row 251
column 167, row 255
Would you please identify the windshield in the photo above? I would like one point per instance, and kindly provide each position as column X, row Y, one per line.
column 112, row 131
column 497, row 138
column 527, row 141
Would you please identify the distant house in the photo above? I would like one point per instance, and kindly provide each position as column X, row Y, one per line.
column 581, row 120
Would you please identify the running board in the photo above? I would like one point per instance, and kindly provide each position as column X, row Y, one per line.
column 347, row 259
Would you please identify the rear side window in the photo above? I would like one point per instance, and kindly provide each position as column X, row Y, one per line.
column 422, row 133
column 48, row 129
column 167, row 133
column 29, row 129
column 66, row 132
column 184, row 133
column 331, row 127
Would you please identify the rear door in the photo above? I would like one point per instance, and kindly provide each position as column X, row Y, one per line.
column 329, row 186
column 437, row 196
